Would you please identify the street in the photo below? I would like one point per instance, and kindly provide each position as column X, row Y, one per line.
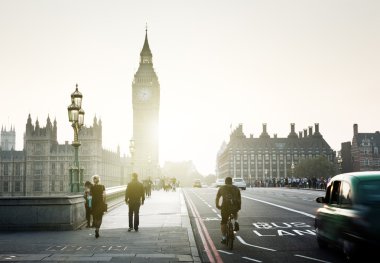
column 276, row 225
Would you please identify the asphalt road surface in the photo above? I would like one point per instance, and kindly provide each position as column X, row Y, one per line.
column 276, row 225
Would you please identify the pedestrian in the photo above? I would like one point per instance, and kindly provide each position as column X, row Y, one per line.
column 231, row 204
column 98, row 192
column 88, row 201
column 134, row 198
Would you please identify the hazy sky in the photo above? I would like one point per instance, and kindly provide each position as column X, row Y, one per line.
column 218, row 63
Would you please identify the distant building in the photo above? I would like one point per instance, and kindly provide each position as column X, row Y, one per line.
column 42, row 168
column 346, row 158
column 264, row 158
column 364, row 151
column 8, row 139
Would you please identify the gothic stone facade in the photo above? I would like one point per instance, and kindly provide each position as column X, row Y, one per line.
column 364, row 151
column 42, row 168
column 266, row 158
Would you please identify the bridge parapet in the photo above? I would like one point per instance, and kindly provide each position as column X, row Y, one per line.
column 24, row 213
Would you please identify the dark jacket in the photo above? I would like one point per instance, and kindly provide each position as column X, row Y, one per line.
column 226, row 190
column 135, row 192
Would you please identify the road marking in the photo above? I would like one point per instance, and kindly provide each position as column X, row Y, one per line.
column 245, row 243
column 319, row 260
column 251, row 259
column 211, row 219
column 203, row 233
column 225, row 252
column 280, row 206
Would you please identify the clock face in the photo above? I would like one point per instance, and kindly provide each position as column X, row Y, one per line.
column 144, row 94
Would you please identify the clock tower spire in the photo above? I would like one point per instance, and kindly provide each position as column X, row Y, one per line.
column 146, row 54
column 146, row 106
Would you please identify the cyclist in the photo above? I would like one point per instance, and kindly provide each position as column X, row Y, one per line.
column 231, row 204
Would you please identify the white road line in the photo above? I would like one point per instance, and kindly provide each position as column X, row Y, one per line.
column 251, row 259
column 245, row 243
column 280, row 206
column 225, row 252
column 214, row 211
column 319, row 260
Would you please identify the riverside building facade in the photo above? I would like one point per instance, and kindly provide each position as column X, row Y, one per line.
column 269, row 158
column 363, row 153
column 42, row 167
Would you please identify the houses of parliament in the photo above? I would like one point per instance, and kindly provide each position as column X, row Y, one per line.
column 42, row 167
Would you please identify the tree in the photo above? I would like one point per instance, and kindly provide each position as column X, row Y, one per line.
column 316, row 167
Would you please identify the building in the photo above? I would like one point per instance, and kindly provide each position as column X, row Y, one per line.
column 345, row 158
column 42, row 168
column 268, row 158
column 8, row 139
column 146, row 106
column 364, row 151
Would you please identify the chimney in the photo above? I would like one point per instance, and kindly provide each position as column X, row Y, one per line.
column 316, row 125
column 304, row 133
column 355, row 129
column 275, row 135
column 310, row 130
column 292, row 128
column 300, row 135
column 264, row 128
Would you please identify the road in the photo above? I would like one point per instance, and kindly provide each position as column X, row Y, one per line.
column 276, row 225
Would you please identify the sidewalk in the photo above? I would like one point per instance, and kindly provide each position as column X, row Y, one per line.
column 165, row 235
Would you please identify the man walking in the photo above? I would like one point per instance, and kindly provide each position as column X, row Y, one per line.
column 134, row 197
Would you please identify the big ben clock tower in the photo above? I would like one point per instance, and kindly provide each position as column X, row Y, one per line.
column 146, row 106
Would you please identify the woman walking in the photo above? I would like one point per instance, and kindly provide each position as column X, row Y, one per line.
column 98, row 192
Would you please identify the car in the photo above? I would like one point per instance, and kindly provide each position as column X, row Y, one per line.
column 239, row 182
column 197, row 183
column 350, row 213
column 220, row 182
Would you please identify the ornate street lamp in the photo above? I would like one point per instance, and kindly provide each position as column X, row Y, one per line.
column 132, row 151
column 76, row 117
column 340, row 161
column 292, row 167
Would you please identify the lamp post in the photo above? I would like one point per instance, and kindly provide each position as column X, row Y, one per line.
column 132, row 151
column 76, row 117
column 265, row 177
column 149, row 162
column 292, row 167
column 340, row 161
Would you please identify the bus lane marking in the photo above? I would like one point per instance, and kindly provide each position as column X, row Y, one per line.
column 245, row 243
column 265, row 229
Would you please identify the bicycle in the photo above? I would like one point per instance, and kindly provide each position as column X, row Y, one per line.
column 230, row 237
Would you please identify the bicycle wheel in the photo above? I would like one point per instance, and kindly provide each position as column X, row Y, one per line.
column 230, row 236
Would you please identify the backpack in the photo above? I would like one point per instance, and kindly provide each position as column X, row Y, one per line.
column 229, row 198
